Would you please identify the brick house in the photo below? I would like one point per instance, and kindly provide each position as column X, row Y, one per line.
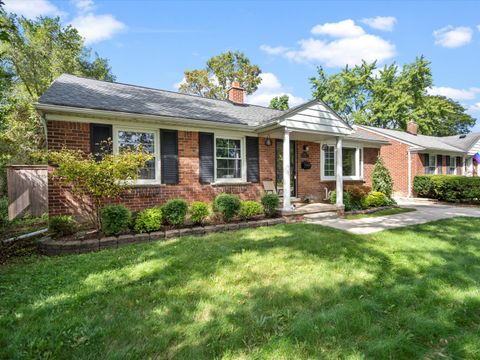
column 410, row 154
column 203, row 147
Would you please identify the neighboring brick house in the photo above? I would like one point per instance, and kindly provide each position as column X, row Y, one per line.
column 203, row 147
column 413, row 154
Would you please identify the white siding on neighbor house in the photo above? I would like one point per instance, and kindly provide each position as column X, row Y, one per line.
column 316, row 117
column 474, row 149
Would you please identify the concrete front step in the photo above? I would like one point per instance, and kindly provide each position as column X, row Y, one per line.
column 313, row 218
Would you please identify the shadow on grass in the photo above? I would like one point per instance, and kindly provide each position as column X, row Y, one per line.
column 288, row 291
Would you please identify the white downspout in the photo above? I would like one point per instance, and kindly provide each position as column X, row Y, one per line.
column 409, row 156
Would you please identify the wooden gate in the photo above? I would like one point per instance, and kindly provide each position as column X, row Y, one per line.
column 27, row 190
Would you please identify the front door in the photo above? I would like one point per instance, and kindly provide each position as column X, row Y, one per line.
column 279, row 166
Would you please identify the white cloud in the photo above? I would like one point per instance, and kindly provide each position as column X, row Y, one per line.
column 95, row 28
column 32, row 8
column 455, row 94
column 268, row 89
column 351, row 45
column 347, row 51
column 273, row 50
column 475, row 108
column 451, row 37
column 341, row 29
column 385, row 23
column 84, row 5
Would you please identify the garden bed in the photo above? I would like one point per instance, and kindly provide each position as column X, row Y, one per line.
column 51, row 247
column 380, row 211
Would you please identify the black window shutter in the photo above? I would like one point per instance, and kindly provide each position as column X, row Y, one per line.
column 100, row 140
column 206, row 150
column 426, row 163
column 169, row 156
column 439, row 164
column 447, row 159
column 253, row 171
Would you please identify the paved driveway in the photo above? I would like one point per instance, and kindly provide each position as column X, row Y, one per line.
column 425, row 212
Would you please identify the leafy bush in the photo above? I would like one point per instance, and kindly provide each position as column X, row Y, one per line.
column 228, row 205
column 3, row 210
column 356, row 193
column 199, row 212
column 376, row 199
column 452, row 188
column 175, row 211
column 115, row 219
column 347, row 202
column 149, row 220
column 62, row 225
column 250, row 209
column 270, row 204
column 381, row 179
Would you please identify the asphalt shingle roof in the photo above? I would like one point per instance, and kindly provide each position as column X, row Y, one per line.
column 423, row 141
column 74, row 91
column 464, row 142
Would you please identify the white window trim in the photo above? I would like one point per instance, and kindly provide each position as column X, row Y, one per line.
column 156, row 134
column 358, row 161
column 454, row 166
column 428, row 165
column 243, row 178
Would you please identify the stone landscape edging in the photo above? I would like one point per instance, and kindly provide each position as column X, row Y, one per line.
column 52, row 247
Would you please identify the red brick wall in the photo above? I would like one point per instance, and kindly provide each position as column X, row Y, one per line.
column 77, row 136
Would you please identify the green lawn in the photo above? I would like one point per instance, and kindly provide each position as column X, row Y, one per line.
column 290, row 291
column 385, row 212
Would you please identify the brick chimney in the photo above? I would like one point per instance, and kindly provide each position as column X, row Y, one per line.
column 412, row 127
column 235, row 93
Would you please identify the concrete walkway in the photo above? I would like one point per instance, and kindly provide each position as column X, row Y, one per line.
column 426, row 212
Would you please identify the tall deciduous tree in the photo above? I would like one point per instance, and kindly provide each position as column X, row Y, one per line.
column 391, row 96
column 279, row 103
column 215, row 80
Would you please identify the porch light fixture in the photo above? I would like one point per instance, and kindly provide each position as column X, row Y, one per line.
column 324, row 147
column 268, row 141
column 306, row 148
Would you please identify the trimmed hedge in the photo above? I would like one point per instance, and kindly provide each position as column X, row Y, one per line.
column 115, row 219
column 228, row 205
column 376, row 199
column 270, row 204
column 149, row 220
column 175, row 211
column 452, row 188
column 199, row 212
column 249, row 209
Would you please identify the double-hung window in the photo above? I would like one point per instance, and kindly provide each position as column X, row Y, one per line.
column 147, row 140
column 352, row 163
column 430, row 164
column 229, row 153
column 451, row 165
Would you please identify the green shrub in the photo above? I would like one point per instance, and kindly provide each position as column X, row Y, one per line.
column 452, row 188
column 270, row 204
column 199, row 212
column 250, row 209
column 149, row 220
column 62, row 225
column 356, row 194
column 228, row 205
column 381, row 179
column 422, row 185
column 175, row 211
column 115, row 219
column 3, row 210
column 376, row 199
column 347, row 201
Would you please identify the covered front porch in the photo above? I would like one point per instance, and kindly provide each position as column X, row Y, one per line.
column 311, row 125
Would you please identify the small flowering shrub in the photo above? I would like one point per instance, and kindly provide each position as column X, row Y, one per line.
column 250, row 209
column 175, row 211
column 199, row 212
column 149, row 220
column 115, row 219
column 270, row 204
column 228, row 205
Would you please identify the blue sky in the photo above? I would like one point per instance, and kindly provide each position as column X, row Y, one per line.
column 151, row 43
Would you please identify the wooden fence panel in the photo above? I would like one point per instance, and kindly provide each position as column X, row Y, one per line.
column 27, row 190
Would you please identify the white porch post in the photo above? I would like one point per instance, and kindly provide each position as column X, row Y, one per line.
column 339, row 176
column 286, row 171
